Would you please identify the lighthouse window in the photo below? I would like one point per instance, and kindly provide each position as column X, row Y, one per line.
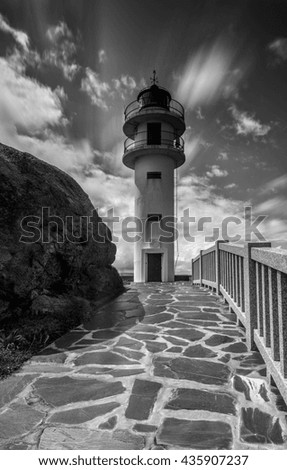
column 155, row 175
column 153, row 133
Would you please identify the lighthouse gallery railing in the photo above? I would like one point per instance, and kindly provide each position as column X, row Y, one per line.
column 167, row 140
column 253, row 281
column 136, row 106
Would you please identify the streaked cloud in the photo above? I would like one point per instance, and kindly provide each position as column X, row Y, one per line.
column 202, row 199
column 275, row 185
column 100, row 91
column 102, row 55
column 124, row 85
column 246, row 124
column 62, row 50
column 20, row 37
column 96, row 89
column 279, row 48
column 209, row 75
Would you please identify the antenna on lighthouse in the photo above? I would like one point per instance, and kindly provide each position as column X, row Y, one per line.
column 154, row 79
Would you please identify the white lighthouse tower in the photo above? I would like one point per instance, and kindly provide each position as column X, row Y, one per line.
column 154, row 148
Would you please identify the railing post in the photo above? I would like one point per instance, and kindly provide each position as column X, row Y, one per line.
column 200, row 268
column 250, row 291
column 192, row 276
column 282, row 314
column 217, row 264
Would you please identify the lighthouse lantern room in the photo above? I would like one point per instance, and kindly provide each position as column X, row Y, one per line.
column 154, row 148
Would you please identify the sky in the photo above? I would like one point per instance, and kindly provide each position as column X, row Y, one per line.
column 68, row 68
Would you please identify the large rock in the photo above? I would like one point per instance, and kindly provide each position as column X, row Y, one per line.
column 45, row 271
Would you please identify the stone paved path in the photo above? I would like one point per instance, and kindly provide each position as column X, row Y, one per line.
column 164, row 366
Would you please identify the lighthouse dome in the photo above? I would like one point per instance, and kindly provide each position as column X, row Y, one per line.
column 154, row 96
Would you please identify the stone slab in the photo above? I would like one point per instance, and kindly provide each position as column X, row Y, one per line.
column 199, row 351
column 58, row 391
column 12, row 386
column 136, row 355
column 189, row 334
column 82, row 414
column 142, row 399
column 197, row 399
column 57, row 438
column 217, row 340
column 109, row 424
column 129, row 343
column 201, row 434
column 197, row 370
column 69, row 339
column 126, row 372
column 18, row 420
column 50, row 356
column 260, row 427
column 158, row 318
column 144, row 428
column 238, row 347
column 176, row 341
column 105, row 357
column 154, row 346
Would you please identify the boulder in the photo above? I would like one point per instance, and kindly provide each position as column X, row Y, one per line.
column 53, row 244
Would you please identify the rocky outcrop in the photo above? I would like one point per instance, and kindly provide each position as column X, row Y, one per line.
column 54, row 248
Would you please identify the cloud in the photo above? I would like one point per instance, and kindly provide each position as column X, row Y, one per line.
column 20, row 59
column 208, row 76
column 124, row 85
column 26, row 103
column 60, row 53
column 246, row 124
column 216, row 171
column 275, row 185
column 274, row 226
column 100, row 91
column 117, row 193
column 201, row 198
column 96, row 89
column 222, row 156
column 62, row 50
column 31, row 114
column 275, row 205
column 199, row 114
column 279, row 49
column 102, row 56
column 20, row 37
column 230, row 186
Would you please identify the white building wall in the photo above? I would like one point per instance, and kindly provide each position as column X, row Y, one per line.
column 154, row 196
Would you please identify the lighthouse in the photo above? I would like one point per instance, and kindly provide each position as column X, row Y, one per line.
column 154, row 148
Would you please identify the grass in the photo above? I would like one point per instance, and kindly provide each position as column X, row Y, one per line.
column 33, row 333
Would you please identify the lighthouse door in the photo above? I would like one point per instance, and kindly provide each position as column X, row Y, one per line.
column 154, row 267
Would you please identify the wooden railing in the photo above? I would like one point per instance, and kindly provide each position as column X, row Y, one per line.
column 252, row 279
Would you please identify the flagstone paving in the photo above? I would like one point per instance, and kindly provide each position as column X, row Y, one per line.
column 163, row 366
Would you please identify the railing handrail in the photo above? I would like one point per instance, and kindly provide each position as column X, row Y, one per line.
column 275, row 258
column 135, row 107
column 168, row 139
column 208, row 250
